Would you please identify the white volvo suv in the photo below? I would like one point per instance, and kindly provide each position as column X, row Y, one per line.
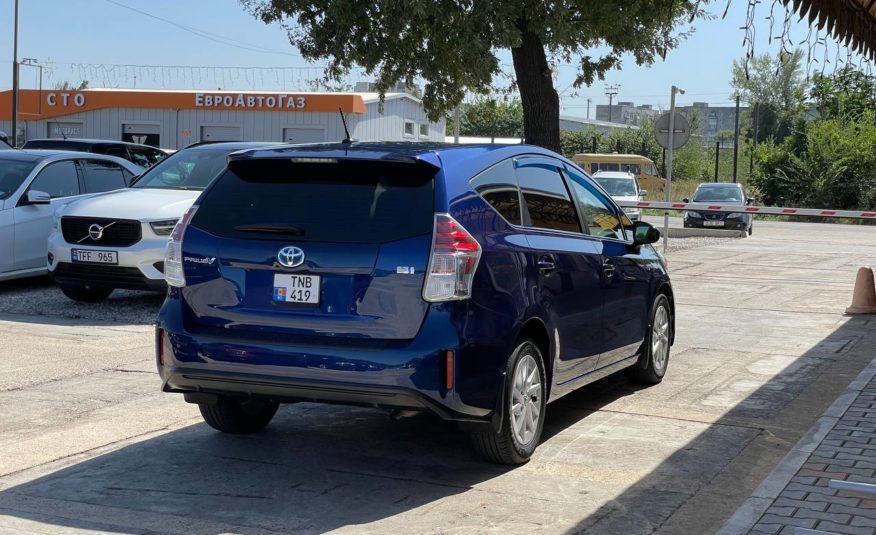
column 117, row 239
column 622, row 186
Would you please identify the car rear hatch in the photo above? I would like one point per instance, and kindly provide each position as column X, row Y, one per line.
column 309, row 246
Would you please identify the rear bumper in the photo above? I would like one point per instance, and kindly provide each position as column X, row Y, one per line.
column 740, row 223
column 286, row 389
column 407, row 374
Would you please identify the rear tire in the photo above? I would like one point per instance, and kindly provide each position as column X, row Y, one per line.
column 750, row 228
column 523, row 409
column 237, row 416
column 86, row 294
column 654, row 355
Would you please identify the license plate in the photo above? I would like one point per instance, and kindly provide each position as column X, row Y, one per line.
column 713, row 223
column 296, row 288
column 87, row 256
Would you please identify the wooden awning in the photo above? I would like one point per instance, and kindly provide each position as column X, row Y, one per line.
column 851, row 22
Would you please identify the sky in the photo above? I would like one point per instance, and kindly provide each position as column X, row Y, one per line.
column 207, row 44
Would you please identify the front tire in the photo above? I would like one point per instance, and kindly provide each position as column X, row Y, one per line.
column 86, row 294
column 237, row 416
column 654, row 355
column 524, row 400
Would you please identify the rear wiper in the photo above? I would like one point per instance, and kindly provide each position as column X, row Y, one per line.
column 290, row 230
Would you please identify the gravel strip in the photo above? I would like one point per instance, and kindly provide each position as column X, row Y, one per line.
column 681, row 244
column 41, row 297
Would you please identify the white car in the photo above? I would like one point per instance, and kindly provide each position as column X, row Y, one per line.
column 117, row 240
column 33, row 185
column 622, row 186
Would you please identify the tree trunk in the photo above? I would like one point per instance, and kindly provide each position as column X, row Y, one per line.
column 541, row 104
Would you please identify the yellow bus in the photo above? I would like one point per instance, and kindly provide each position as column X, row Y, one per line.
column 642, row 168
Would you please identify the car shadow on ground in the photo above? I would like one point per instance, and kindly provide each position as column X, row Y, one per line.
column 320, row 467
column 41, row 297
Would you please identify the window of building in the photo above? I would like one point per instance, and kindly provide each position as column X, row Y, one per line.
column 409, row 128
column 424, row 129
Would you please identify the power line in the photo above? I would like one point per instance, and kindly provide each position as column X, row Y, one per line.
column 207, row 35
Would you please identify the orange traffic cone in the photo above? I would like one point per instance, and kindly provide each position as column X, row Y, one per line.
column 864, row 298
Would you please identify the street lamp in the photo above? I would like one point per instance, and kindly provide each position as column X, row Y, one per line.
column 15, row 80
column 675, row 90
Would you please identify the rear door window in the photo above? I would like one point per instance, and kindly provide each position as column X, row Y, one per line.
column 547, row 200
column 101, row 175
column 58, row 179
column 344, row 202
column 498, row 186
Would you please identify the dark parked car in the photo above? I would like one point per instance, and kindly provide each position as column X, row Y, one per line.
column 475, row 282
column 143, row 155
column 726, row 194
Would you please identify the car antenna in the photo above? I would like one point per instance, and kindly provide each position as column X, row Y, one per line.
column 347, row 140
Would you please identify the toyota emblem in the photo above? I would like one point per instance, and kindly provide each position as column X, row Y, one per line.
column 95, row 232
column 290, row 256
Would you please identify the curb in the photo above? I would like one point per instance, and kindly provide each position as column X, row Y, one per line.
column 676, row 232
column 754, row 507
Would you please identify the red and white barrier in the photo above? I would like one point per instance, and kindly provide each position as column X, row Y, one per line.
column 735, row 208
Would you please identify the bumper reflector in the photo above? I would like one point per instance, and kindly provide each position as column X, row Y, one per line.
column 449, row 369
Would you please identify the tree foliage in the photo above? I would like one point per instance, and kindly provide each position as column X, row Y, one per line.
column 826, row 162
column 490, row 117
column 777, row 86
column 453, row 45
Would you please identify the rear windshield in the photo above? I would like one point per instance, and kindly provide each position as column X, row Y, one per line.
column 348, row 201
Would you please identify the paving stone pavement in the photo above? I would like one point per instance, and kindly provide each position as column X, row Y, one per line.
column 846, row 452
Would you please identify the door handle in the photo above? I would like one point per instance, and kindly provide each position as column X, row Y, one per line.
column 608, row 269
column 547, row 265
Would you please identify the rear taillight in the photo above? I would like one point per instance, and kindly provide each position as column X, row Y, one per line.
column 173, row 260
column 452, row 263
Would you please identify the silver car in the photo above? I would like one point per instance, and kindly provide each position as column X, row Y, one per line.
column 35, row 183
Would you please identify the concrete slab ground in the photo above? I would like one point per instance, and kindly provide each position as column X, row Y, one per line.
column 89, row 445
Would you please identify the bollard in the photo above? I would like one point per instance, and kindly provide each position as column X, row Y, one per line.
column 864, row 296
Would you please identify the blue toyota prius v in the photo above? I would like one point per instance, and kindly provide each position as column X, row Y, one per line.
column 477, row 282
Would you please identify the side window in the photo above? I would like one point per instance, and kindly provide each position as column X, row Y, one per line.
column 649, row 170
column 103, row 176
column 594, row 167
column 118, row 152
column 498, row 186
column 609, row 167
column 141, row 157
column 546, row 197
column 599, row 215
column 58, row 180
column 633, row 168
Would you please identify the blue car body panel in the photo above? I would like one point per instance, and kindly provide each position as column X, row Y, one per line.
column 373, row 339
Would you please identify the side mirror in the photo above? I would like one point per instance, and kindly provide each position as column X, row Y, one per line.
column 644, row 233
column 749, row 201
column 643, row 193
column 38, row 197
column 685, row 200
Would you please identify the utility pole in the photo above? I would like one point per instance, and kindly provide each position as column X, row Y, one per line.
column 456, row 124
column 669, row 164
column 15, row 80
column 31, row 62
column 736, row 141
column 717, row 157
column 589, row 100
column 753, row 140
column 610, row 92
